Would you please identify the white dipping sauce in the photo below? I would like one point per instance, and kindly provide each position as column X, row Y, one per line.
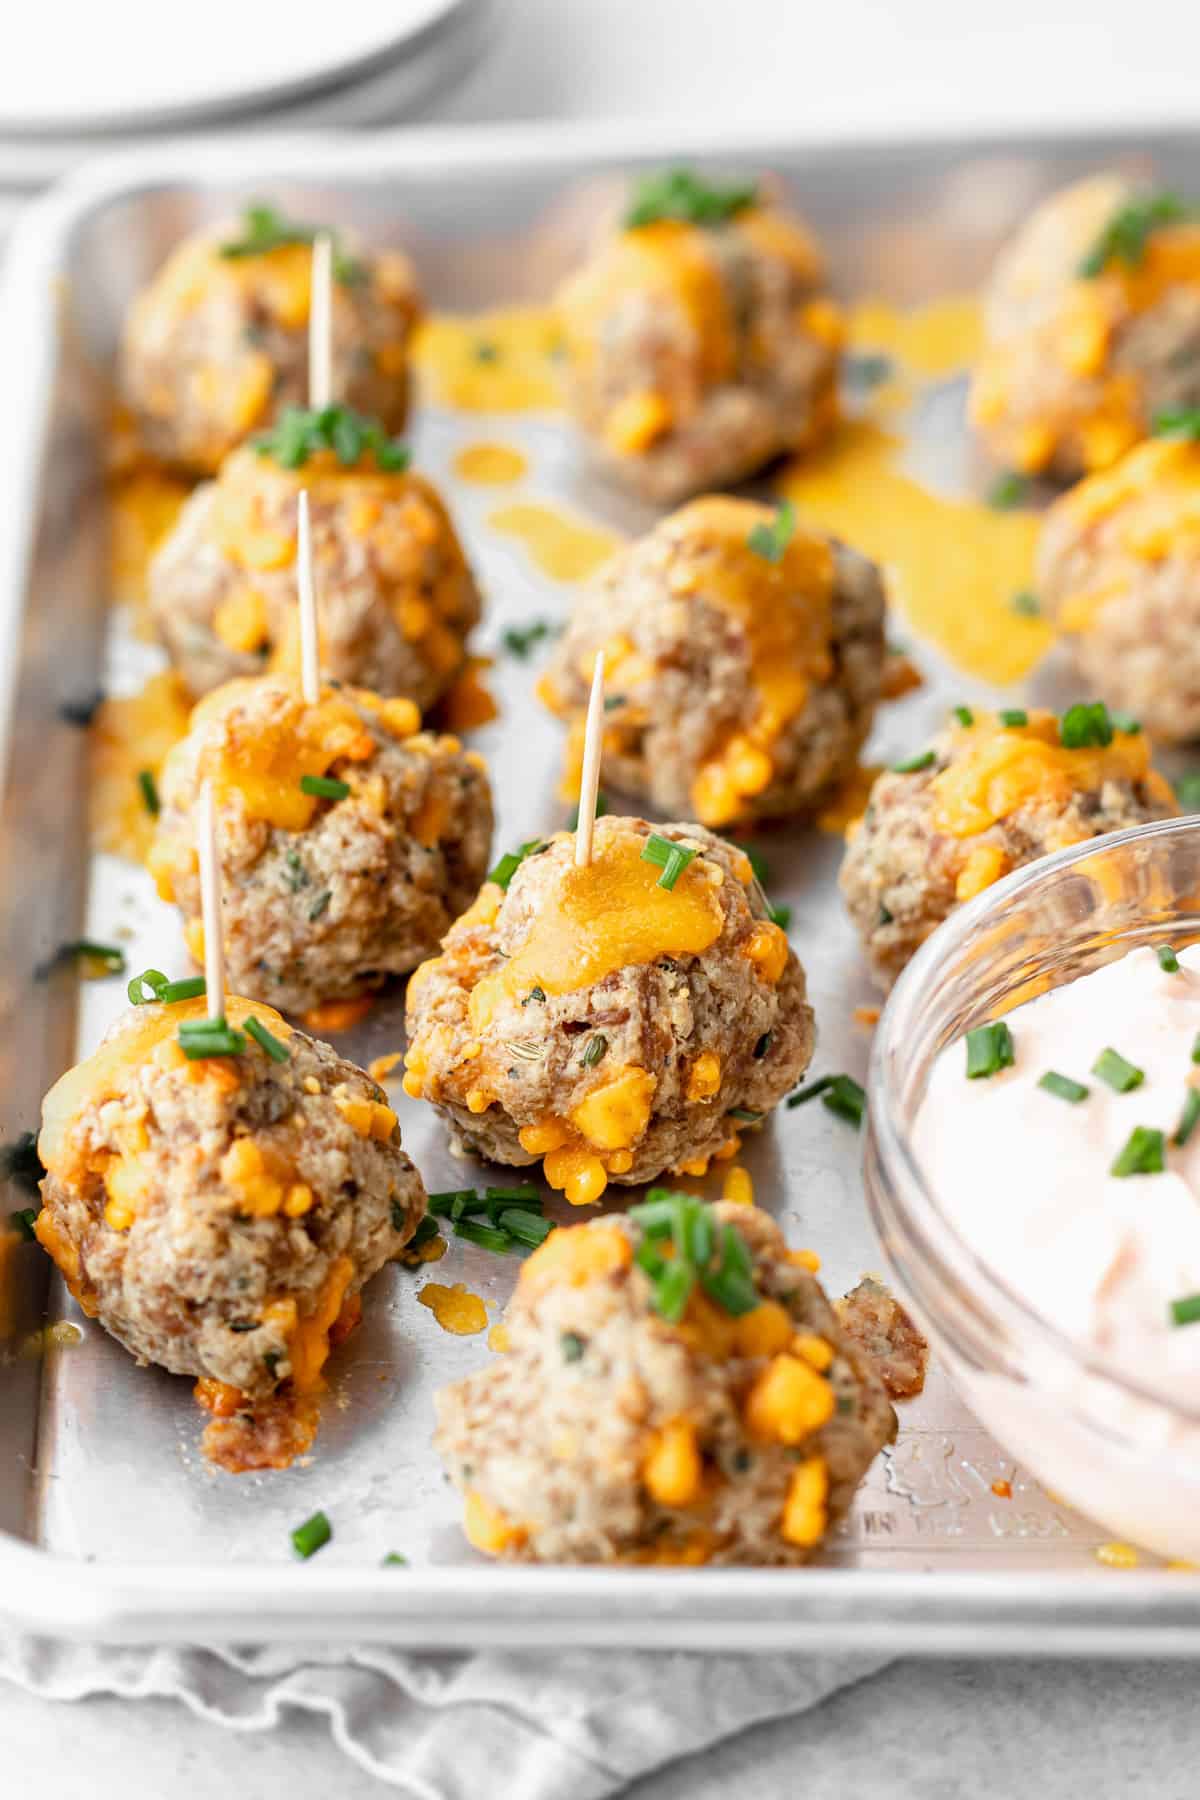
column 1026, row 1176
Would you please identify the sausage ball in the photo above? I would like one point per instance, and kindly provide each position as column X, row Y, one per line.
column 395, row 596
column 348, row 840
column 218, row 1216
column 700, row 345
column 616, row 1020
column 1092, row 327
column 984, row 798
column 742, row 670
column 217, row 345
column 623, row 1423
column 1119, row 573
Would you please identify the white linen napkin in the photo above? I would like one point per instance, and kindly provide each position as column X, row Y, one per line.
column 579, row 1725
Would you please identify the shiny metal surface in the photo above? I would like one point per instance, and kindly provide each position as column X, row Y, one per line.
column 110, row 1522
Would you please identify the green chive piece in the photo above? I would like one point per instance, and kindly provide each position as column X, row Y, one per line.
column 21, row 1164
column 394, row 1560
column 299, row 433
column 1196, row 1048
column 324, row 787
column 443, row 1204
column 601, row 810
column 682, row 194
column 1187, row 791
column 762, row 1046
column 489, row 1237
column 731, row 1285
column 310, row 1537
column 110, row 959
column 989, row 1049
column 779, row 915
column 1026, row 604
column 1188, row 1118
column 1125, row 722
column 1013, row 717
column 965, row 716
column 527, row 1228
column 1125, row 236
column 810, row 1092
column 1120, row 1075
column 673, row 1291
column 1086, row 726
column 515, row 1196
column 266, row 1040
column 572, row 1346
column 192, row 987
column 595, row 1050
column 1008, row 491
column 1167, row 959
column 924, row 759
column 1185, row 1311
column 150, row 979
column 23, row 1222
column 744, row 1115
column 671, row 858
column 1063, row 1087
column 320, row 906
column 426, row 1228
column 508, row 865
column 845, row 1097
column 756, row 859
column 519, row 640
column 868, row 368
column 149, row 789
column 202, row 1038
column 1143, row 1154
column 770, row 541
column 1182, row 424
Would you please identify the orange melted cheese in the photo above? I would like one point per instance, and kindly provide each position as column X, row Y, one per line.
column 560, row 545
column 144, row 506
column 490, row 465
column 996, row 771
column 492, row 362
column 456, row 1309
column 127, row 736
column 1144, row 509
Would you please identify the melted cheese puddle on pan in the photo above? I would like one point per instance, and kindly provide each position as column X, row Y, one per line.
column 506, row 361
column 490, row 465
column 563, row 547
column 456, row 1308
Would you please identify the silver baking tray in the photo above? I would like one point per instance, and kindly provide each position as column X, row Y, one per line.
column 111, row 1524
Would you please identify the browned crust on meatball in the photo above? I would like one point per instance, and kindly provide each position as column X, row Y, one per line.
column 874, row 1319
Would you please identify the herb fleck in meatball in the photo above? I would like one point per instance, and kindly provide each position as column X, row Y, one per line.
column 219, row 1216
column 325, row 892
column 395, row 596
column 661, row 1401
column 984, row 799
column 609, row 1024
column 217, row 345
column 1119, row 572
column 743, row 661
column 699, row 341
column 1092, row 326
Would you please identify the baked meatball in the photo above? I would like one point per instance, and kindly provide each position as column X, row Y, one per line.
column 984, row 798
column 608, row 1023
column 323, row 893
column 1119, row 573
column 742, row 670
column 1092, row 327
column 699, row 340
column 217, row 345
column 395, row 596
column 725, row 1420
column 219, row 1216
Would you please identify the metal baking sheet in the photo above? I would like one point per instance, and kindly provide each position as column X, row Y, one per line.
column 111, row 1523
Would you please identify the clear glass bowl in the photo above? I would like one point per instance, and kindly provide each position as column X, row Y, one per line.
column 1110, row 1440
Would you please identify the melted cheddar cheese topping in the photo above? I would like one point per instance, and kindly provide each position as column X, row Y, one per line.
column 1145, row 509
column 997, row 770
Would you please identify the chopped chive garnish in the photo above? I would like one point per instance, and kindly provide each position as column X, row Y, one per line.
column 845, row 1097
column 731, row 1284
column 81, row 712
column 23, row 1222
column 192, row 987
column 21, row 1164
column 779, row 914
column 1188, row 1118
column 1013, row 717
column 300, row 433
column 671, row 858
column 527, row 1228
column 965, row 716
column 595, row 1050
column 1182, row 424
column 519, row 640
column 489, row 1237
column 1123, row 721
column 1086, row 726
column 1167, row 959
column 770, row 541
column 1185, row 1311
column 149, row 789
column 1120, row 1075
column 516, row 1196
column 508, row 865
column 756, row 859
column 1143, row 1154
column 924, row 759
column 202, row 1038
column 319, row 906
column 744, row 1115
column 1187, row 791
column 868, row 368
column 1008, row 490
column 109, row 957
column 324, row 787
column 682, row 194
column 310, row 1537
column 674, row 1290
column 1196, row 1048
column 762, row 1046
column 267, row 1041
column 810, row 1092
column 426, row 1228
column 601, row 810
column 443, row 1204
column 394, row 1560
column 1063, row 1087
column 1125, row 236
column 1026, row 603
column 720, row 1262
column 989, row 1049
column 572, row 1346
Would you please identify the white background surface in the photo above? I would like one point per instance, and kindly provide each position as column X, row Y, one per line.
column 919, row 1731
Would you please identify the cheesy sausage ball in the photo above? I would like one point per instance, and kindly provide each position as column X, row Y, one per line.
column 217, row 345
column 1092, row 328
column 704, row 1407
column 616, row 1020
column 984, row 798
column 395, row 597
column 743, row 659
column 218, row 1216
column 699, row 340
column 1119, row 572
column 348, row 840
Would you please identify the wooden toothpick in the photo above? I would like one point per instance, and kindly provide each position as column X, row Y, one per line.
column 589, row 785
column 210, row 902
column 320, row 325
column 310, row 648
